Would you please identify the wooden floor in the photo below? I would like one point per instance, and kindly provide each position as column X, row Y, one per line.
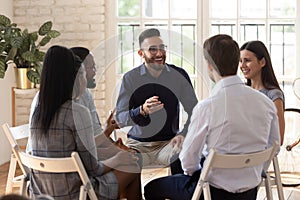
column 290, row 193
column 3, row 177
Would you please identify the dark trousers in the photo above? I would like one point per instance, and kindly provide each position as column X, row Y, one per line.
column 219, row 194
column 175, row 165
column 181, row 187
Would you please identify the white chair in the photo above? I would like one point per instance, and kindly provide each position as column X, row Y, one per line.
column 60, row 165
column 19, row 135
column 274, row 180
column 233, row 161
column 52, row 165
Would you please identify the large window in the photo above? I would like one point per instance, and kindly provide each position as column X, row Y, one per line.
column 178, row 31
column 271, row 21
column 188, row 23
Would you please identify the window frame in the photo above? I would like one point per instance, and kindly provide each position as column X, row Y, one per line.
column 203, row 29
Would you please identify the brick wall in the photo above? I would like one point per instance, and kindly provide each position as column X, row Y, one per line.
column 80, row 22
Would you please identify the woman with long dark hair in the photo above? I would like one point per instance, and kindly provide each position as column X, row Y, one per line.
column 60, row 126
column 256, row 65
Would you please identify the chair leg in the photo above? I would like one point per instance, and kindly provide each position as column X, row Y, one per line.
column 198, row 191
column 23, row 186
column 11, row 174
column 278, row 178
column 83, row 193
column 206, row 192
column 268, row 187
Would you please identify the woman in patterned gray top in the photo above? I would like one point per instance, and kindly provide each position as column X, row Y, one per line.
column 256, row 65
column 60, row 126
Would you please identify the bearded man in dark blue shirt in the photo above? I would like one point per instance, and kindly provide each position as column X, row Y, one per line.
column 149, row 101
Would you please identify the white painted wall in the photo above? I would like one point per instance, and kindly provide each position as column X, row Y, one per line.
column 6, row 84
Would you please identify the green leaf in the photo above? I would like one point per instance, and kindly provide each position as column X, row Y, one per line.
column 5, row 46
column 26, row 44
column 33, row 76
column 11, row 54
column 53, row 34
column 2, row 48
column 25, row 33
column 39, row 55
column 7, row 34
column 2, row 68
column 33, row 36
column 38, row 66
column 45, row 28
column 2, row 28
column 16, row 42
column 29, row 56
column 16, row 32
column 45, row 40
column 4, row 20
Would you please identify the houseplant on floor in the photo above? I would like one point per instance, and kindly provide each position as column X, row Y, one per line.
column 23, row 47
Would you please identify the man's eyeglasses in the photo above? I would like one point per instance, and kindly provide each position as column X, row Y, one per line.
column 154, row 49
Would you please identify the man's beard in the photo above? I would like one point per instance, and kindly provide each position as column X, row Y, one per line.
column 156, row 66
column 91, row 83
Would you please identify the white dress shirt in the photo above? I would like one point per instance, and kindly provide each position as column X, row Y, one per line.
column 234, row 119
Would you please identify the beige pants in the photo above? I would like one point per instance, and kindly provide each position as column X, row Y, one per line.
column 153, row 153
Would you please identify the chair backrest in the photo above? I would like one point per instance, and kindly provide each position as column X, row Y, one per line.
column 12, row 136
column 233, row 161
column 21, row 134
column 52, row 165
column 12, row 133
column 17, row 136
column 59, row 165
column 55, row 165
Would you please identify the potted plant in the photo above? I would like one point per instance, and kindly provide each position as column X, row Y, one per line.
column 23, row 47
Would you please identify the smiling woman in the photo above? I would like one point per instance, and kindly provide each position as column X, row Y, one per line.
column 255, row 63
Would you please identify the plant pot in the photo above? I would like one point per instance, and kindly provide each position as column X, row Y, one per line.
column 22, row 81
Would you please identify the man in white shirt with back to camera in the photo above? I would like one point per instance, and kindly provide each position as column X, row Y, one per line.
column 235, row 119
